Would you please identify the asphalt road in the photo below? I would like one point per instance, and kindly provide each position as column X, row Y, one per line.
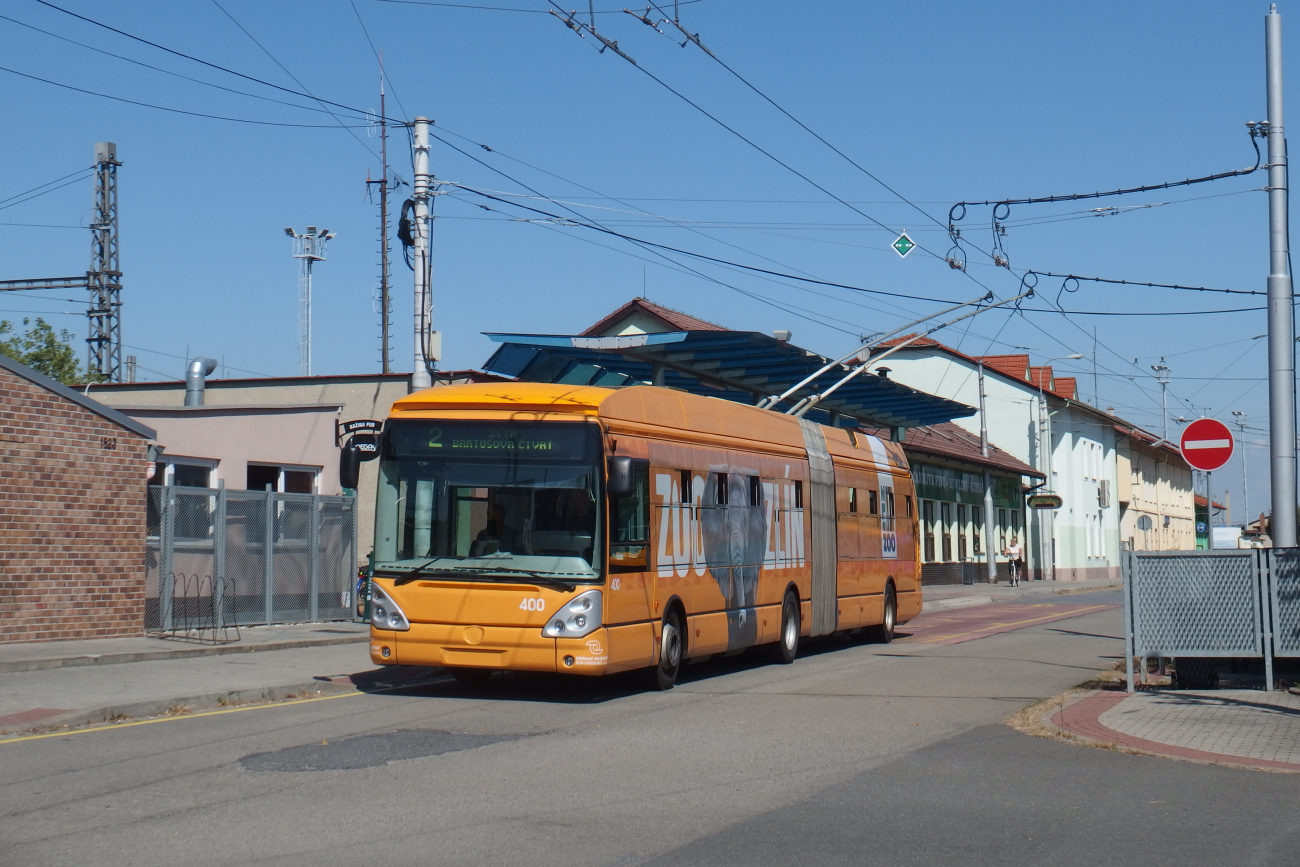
column 859, row 754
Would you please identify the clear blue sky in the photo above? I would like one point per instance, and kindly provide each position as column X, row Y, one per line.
column 943, row 101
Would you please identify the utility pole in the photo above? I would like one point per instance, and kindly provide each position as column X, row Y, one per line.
column 1162, row 376
column 385, row 298
column 990, row 556
column 309, row 248
column 104, row 279
column 1241, row 456
column 420, row 377
column 1281, row 336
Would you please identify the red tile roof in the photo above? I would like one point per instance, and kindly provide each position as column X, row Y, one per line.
column 952, row 441
column 1067, row 387
column 674, row 319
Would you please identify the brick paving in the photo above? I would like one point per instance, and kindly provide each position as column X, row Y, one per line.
column 1232, row 726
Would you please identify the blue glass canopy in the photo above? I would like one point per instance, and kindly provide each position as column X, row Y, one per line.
column 744, row 366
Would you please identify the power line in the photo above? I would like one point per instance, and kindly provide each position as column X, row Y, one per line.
column 800, row 123
column 378, row 57
column 74, row 180
column 505, row 8
column 357, row 111
column 167, row 108
column 578, row 26
column 1077, row 278
column 161, row 69
column 285, row 69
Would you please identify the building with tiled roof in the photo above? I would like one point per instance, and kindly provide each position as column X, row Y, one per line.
column 643, row 316
column 1108, row 472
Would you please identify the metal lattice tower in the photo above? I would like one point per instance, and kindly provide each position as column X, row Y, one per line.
column 104, row 279
column 309, row 248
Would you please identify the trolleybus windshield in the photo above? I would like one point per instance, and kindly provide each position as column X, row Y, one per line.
column 486, row 500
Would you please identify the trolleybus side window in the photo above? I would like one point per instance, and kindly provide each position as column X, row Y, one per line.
column 631, row 524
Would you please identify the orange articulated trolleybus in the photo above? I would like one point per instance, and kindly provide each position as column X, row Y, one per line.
column 542, row 527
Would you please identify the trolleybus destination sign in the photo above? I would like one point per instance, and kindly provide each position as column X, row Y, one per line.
column 1206, row 444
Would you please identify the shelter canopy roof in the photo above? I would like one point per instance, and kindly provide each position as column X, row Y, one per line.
column 742, row 366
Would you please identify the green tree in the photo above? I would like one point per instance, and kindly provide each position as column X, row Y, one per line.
column 42, row 349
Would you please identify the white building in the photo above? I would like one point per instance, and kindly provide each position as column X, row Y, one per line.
column 1028, row 408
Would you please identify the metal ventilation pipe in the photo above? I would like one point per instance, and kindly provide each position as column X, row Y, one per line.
column 194, row 382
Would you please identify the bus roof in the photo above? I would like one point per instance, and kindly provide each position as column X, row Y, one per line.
column 643, row 405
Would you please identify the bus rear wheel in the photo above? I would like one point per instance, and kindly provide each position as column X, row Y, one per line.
column 787, row 645
column 671, row 650
column 883, row 633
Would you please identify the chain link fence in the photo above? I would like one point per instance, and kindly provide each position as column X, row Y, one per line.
column 1200, row 605
column 278, row 558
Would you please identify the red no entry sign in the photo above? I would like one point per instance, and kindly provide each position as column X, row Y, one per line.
column 1206, row 444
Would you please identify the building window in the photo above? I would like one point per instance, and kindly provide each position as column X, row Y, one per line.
column 873, row 502
column 945, row 530
column 853, row 501
column 961, row 532
column 798, row 494
column 720, row 497
column 927, row 528
column 977, row 530
column 755, row 491
column 185, row 473
column 282, row 479
column 1002, row 529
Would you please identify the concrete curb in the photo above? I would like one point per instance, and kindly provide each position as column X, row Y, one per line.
column 183, row 652
column 950, row 602
column 956, row 602
column 211, row 701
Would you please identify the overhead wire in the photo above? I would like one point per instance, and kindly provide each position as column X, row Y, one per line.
column 162, row 69
column 352, row 132
column 167, row 108
column 771, row 156
column 360, row 112
column 378, row 57
column 36, row 192
column 648, row 247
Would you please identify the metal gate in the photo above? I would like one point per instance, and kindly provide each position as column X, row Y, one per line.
column 1212, row 604
column 278, row 558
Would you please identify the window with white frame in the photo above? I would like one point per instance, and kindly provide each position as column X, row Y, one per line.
column 283, row 478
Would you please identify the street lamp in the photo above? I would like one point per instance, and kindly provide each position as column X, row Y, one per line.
column 1045, row 456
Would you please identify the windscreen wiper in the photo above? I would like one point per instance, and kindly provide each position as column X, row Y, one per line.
column 538, row 577
column 408, row 577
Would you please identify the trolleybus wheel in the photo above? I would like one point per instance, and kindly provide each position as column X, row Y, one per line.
column 787, row 645
column 884, row 632
column 472, row 678
column 671, row 650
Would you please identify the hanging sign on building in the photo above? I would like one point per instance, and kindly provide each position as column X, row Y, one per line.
column 1044, row 501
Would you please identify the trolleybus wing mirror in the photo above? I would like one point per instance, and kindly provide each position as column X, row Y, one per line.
column 619, row 483
column 349, row 465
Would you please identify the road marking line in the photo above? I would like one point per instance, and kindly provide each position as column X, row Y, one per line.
column 145, row 722
column 989, row 626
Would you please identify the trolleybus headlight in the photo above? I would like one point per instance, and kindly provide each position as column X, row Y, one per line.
column 578, row 617
column 384, row 613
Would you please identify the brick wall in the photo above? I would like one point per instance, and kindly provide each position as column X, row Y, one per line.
column 72, row 519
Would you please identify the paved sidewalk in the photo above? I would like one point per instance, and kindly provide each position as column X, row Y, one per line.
column 40, row 655
column 1245, row 727
column 946, row 596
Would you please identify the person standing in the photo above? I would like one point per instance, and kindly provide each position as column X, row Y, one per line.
column 1015, row 559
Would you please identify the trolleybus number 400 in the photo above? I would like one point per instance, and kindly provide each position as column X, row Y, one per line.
column 533, row 605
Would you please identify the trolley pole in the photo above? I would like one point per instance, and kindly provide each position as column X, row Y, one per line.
column 1281, row 337
column 990, row 556
column 420, row 377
